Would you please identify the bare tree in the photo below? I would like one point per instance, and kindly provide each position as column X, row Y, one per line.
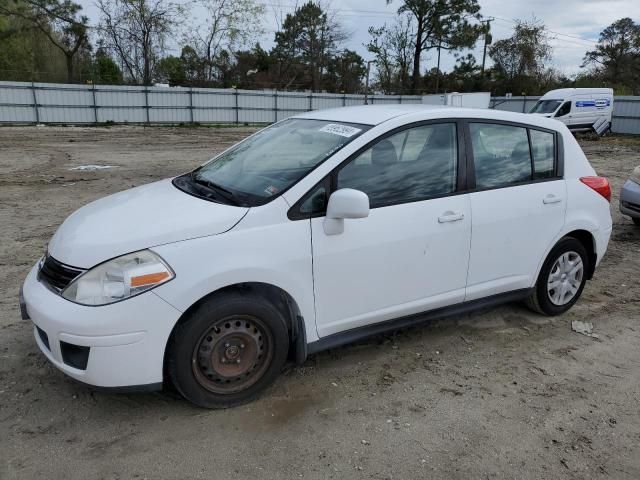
column 393, row 48
column 136, row 31
column 229, row 25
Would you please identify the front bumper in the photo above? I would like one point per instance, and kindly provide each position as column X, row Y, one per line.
column 630, row 199
column 112, row 346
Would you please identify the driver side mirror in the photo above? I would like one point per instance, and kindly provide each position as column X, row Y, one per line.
column 344, row 203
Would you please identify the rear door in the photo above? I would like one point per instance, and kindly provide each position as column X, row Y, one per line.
column 518, row 206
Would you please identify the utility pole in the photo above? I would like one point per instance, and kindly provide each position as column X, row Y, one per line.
column 438, row 69
column 366, row 87
column 488, row 39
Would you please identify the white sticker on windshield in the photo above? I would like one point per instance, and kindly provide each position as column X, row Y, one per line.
column 342, row 130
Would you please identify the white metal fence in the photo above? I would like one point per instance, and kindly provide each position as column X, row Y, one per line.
column 25, row 103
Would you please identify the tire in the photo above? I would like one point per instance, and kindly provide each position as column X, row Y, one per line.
column 636, row 220
column 229, row 350
column 557, row 301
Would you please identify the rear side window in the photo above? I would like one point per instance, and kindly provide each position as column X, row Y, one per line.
column 412, row 165
column 544, row 153
column 500, row 154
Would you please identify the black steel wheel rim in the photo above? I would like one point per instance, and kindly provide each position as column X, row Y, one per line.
column 232, row 354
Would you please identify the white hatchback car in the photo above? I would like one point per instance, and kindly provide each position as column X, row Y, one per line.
column 314, row 232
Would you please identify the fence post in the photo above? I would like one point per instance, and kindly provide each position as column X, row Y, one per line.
column 237, row 107
column 95, row 105
column 191, row 104
column 524, row 105
column 35, row 102
column 344, row 99
column 372, row 99
column 275, row 106
column 146, row 102
column 310, row 101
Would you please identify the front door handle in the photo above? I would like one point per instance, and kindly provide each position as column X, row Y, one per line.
column 450, row 217
column 551, row 199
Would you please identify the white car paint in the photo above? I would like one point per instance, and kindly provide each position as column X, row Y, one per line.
column 507, row 222
column 142, row 217
column 399, row 260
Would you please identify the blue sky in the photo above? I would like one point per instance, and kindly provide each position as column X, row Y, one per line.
column 574, row 24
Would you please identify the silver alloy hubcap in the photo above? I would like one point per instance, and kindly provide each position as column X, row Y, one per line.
column 565, row 278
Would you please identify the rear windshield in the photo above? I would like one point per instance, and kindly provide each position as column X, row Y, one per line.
column 546, row 106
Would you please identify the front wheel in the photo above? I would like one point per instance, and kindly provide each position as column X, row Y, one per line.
column 229, row 349
column 636, row 220
column 562, row 278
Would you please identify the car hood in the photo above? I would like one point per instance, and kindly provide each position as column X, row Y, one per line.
column 135, row 219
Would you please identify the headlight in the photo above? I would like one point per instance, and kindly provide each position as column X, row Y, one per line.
column 635, row 176
column 120, row 278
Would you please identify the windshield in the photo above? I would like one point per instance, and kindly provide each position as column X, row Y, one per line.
column 546, row 106
column 271, row 161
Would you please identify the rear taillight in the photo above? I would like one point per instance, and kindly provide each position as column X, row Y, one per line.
column 599, row 184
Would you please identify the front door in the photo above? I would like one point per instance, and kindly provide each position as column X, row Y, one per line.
column 411, row 254
column 564, row 113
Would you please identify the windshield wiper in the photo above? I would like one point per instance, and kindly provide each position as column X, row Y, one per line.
column 220, row 190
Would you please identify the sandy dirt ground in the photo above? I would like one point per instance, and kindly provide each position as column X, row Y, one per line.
column 498, row 394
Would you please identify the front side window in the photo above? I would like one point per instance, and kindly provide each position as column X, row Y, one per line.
column 500, row 154
column 546, row 106
column 271, row 161
column 411, row 165
column 564, row 109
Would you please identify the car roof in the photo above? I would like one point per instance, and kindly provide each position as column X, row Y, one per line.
column 366, row 114
column 562, row 93
column 377, row 114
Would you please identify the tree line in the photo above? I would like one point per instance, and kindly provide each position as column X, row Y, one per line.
column 218, row 41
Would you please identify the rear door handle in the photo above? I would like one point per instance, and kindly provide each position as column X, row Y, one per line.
column 450, row 217
column 551, row 199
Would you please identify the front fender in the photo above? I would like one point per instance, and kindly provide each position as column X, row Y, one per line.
column 278, row 255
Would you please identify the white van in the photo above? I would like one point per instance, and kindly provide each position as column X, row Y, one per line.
column 578, row 108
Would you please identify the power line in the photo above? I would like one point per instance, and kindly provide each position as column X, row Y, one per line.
column 551, row 31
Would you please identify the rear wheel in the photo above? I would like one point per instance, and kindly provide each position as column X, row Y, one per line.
column 230, row 349
column 562, row 278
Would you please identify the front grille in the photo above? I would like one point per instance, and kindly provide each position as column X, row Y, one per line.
column 57, row 275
